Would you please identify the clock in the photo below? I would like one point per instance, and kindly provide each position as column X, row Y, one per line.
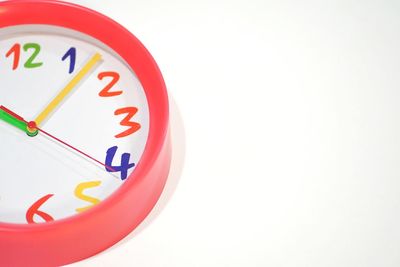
column 84, row 131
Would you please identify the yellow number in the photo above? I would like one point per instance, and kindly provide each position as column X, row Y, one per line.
column 79, row 194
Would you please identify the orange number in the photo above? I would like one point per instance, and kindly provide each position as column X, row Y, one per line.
column 34, row 209
column 134, row 126
column 16, row 50
column 114, row 79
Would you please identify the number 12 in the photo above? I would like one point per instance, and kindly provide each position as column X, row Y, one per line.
column 16, row 51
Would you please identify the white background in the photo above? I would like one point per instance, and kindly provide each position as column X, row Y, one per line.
column 285, row 127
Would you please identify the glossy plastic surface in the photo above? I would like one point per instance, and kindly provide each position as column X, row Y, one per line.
column 75, row 238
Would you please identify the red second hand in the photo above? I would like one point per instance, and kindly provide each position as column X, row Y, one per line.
column 33, row 127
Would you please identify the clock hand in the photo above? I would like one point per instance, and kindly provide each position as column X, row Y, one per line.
column 31, row 129
column 15, row 120
column 32, row 125
column 67, row 89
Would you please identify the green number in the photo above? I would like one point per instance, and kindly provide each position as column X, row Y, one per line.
column 29, row 63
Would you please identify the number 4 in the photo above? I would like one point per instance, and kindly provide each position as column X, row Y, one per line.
column 125, row 165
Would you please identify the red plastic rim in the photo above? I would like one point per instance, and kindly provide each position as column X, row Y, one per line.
column 75, row 238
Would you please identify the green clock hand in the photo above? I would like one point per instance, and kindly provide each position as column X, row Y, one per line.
column 13, row 119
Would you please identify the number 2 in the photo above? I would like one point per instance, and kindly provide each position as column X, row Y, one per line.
column 114, row 79
column 29, row 64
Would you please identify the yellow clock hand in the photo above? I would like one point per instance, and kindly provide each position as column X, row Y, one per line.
column 68, row 88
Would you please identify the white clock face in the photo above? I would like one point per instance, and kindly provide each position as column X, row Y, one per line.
column 102, row 111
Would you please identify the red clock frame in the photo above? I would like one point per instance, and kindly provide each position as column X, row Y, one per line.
column 78, row 237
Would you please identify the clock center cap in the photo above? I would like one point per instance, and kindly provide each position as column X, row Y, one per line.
column 32, row 129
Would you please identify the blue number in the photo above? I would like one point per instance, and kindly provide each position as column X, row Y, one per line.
column 71, row 53
column 125, row 165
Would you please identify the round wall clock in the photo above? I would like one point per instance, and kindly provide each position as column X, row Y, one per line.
column 84, row 139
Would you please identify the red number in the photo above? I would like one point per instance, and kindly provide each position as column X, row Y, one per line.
column 114, row 79
column 16, row 50
column 130, row 111
column 134, row 126
column 34, row 209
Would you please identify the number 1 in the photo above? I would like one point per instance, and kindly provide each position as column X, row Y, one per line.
column 71, row 54
column 16, row 50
